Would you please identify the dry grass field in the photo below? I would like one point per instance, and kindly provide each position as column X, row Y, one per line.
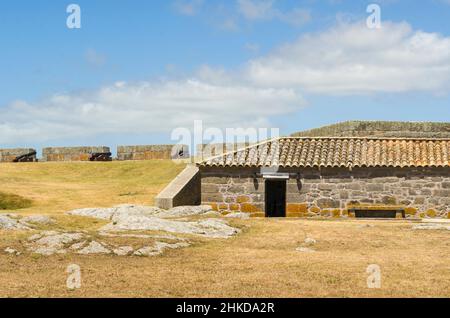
column 259, row 262
column 58, row 187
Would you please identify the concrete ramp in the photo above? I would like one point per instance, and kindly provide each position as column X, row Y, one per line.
column 185, row 189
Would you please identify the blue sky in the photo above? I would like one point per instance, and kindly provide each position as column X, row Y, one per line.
column 138, row 69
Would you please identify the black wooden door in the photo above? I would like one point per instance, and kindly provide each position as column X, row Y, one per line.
column 275, row 198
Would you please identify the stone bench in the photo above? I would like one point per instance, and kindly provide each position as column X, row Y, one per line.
column 377, row 212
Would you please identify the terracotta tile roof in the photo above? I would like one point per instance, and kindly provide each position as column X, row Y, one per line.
column 338, row 152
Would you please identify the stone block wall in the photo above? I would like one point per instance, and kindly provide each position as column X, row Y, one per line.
column 71, row 153
column 9, row 155
column 233, row 193
column 150, row 152
column 424, row 193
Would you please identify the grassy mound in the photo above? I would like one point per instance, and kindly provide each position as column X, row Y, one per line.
column 13, row 202
column 58, row 187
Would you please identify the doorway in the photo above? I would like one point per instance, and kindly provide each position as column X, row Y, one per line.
column 275, row 198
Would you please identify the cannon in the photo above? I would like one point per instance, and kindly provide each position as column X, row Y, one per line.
column 28, row 157
column 100, row 156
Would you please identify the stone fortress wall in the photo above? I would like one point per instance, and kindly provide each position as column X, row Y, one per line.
column 75, row 153
column 150, row 152
column 96, row 153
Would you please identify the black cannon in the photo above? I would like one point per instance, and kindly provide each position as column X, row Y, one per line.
column 29, row 157
column 100, row 156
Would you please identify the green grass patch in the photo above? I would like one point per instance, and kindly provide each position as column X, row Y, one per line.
column 13, row 202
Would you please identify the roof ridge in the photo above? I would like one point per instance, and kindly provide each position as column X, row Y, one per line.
column 240, row 149
column 369, row 138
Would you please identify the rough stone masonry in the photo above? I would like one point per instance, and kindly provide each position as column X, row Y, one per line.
column 331, row 192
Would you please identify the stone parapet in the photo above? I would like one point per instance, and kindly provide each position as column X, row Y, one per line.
column 73, row 153
column 151, row 152
column 392, row 129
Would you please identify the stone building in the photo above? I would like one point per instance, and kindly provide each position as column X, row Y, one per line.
column 76, row 154
column 332, row 177
column 18, row 155
column 151, row 152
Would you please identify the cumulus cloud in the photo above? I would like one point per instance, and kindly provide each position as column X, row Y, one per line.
column 347, row 59
column 187, row 7
column 143, row 108
column 265, row 10
column 353, row 59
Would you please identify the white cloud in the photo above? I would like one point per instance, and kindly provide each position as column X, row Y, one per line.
column 187, row 7
column 94, row 58
column 353, row 59
column 346, row 59
column 256, row 10
column 265, row 10
column 143, row 108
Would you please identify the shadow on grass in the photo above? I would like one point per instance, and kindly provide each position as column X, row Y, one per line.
column 13, row 202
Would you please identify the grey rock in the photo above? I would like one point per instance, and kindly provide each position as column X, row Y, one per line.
column 213, row 228
column 78, row 246
column 54, row 243
column 143, row 236
column 181, row 211
column 8, row 223
column 123, row 250
column 128, row 209
column 109, row 213
column 94, row 248
column 158, row 248
column 37, row 219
